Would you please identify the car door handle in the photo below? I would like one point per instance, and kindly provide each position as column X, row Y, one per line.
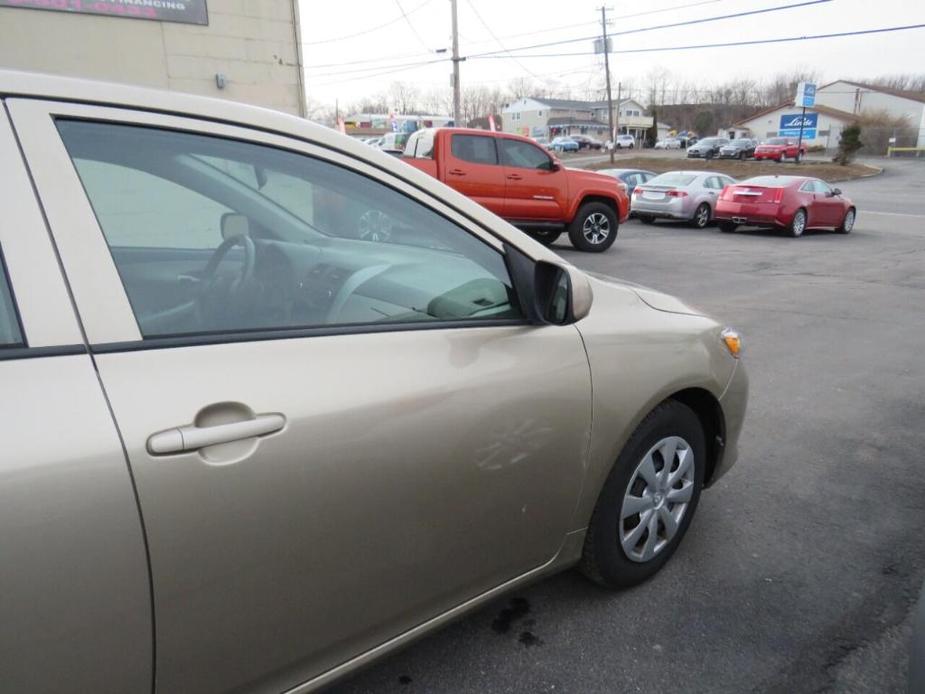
column 456, row 172
column 192, row 438
column 515, row 177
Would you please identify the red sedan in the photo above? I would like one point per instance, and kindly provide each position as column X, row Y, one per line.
column 794, row 203
column 780, row 148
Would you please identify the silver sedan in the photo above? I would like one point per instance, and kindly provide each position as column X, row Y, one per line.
column 688, row 196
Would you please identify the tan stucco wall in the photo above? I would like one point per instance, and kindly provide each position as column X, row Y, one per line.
column 251, row 42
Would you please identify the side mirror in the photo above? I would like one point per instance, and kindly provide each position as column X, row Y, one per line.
column 836, row 191
column 550, row 293
column 555, row 164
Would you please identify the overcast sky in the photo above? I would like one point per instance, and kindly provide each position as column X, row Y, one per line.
column 335, row 71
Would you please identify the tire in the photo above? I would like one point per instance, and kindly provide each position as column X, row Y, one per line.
column 708, row 154
column 545, row 236
column 702, row 216
column 847, row 223
column 798, row 223
column 797, row 157
column 728, row 227
column 743, row 156
column 647, row 219
column 594, row 228
column 610, row 556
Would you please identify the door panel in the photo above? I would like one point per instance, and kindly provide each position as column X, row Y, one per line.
column 533, row 193
column 416, row 470
column 471, row 167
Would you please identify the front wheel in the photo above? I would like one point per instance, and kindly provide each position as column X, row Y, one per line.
column 701, row 216
column 848, row 222
column 648, row 500
column 594, row 228
column 797, row 157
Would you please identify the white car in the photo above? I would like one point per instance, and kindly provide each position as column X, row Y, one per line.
column 669, row 143
column 624, row 142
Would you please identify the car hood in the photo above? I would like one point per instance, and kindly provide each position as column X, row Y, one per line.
column 650, row 297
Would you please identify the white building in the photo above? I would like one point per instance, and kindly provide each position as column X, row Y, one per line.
column 856, row 98
column 542, row 117
column 244, row 51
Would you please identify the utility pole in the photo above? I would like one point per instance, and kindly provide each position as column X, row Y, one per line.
column 616, row 118
column 613, row 133
column 457, row 115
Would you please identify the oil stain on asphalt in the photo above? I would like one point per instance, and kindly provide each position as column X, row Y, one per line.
column 517, row 609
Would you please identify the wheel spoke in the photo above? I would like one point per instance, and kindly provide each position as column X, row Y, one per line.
column 648, row 549
column 668, row 450
column 685, row 456
column 629, row 542
column 682, row 495
column 668, row 520
column 648, row 473
column 635, row 504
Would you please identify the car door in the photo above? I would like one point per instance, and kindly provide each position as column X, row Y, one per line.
column 814, row 204
column 333, row 439
column 471, row 166
column 537, row 188
column 830, row 208
column 75, row 601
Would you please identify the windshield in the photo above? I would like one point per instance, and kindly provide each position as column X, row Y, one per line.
column 672, row 179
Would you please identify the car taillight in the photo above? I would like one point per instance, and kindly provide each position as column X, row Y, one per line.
column 677, row 193
column 637, row 191
column 778, row 195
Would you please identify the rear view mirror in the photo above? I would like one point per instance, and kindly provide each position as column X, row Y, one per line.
column 234, row 225
column 836, row 191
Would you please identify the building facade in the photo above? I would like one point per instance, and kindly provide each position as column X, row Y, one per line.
column 542, row 117
column 245, row 50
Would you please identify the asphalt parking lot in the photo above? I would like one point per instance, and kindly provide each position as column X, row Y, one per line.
column 802, row 566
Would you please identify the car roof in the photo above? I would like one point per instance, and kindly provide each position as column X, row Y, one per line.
column 784, row 179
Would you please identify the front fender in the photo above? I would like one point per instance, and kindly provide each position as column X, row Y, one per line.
column 640, row 356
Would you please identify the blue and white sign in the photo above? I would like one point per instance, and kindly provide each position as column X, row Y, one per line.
column 806, row 95
column 790, row 125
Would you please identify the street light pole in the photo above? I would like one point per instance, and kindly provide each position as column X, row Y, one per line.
column 457, row 115
column 613, row 134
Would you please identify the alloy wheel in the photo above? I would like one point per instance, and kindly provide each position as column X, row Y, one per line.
column 596, row 228
column 656, row 499
column 703, row 216
column 799, row 223
column 848, row 224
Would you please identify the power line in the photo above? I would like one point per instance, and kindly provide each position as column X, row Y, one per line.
column 410, row 25
column 498, row 41
column 404, row 16
column 689, row 22
column 368, row 60
column 787, row 39
column 390, row 70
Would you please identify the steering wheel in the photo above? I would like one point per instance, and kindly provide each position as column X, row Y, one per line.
column 374, row 225
column 217, row 295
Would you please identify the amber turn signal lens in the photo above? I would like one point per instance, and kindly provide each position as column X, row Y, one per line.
column 733, row 341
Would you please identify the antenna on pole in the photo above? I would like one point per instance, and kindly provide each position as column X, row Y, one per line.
column 457, row 114
column 605, row 47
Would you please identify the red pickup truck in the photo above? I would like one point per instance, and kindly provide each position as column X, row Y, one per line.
column 780, row 148
column 520, row 181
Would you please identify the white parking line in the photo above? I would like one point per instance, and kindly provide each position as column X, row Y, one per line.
column 892, row 214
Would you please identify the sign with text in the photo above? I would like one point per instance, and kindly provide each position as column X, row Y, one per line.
column 790, row 125
column 806, row 95
column 185, row 11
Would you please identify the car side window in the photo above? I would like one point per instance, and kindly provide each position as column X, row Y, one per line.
column 276, row 240
column 822, row 187
column 523, row 155
column 10, row 330
column 808, row 187
column 478, row 149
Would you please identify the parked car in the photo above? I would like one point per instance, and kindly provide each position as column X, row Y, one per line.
column 794, row 203
column 780, row 148
column 623, row 142
column 741, row 148
column 668, row 143
column 516, row 179
column 585, row 142
column 394, row 143
column 629, row 177
column 688, row 196
column 707, row 148
column 294, row 449
column 563, row 144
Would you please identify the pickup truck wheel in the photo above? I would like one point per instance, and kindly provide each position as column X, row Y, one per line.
column 545, row 236
column 594, row 228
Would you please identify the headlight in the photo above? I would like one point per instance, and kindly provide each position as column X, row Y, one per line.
column 733, row 341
